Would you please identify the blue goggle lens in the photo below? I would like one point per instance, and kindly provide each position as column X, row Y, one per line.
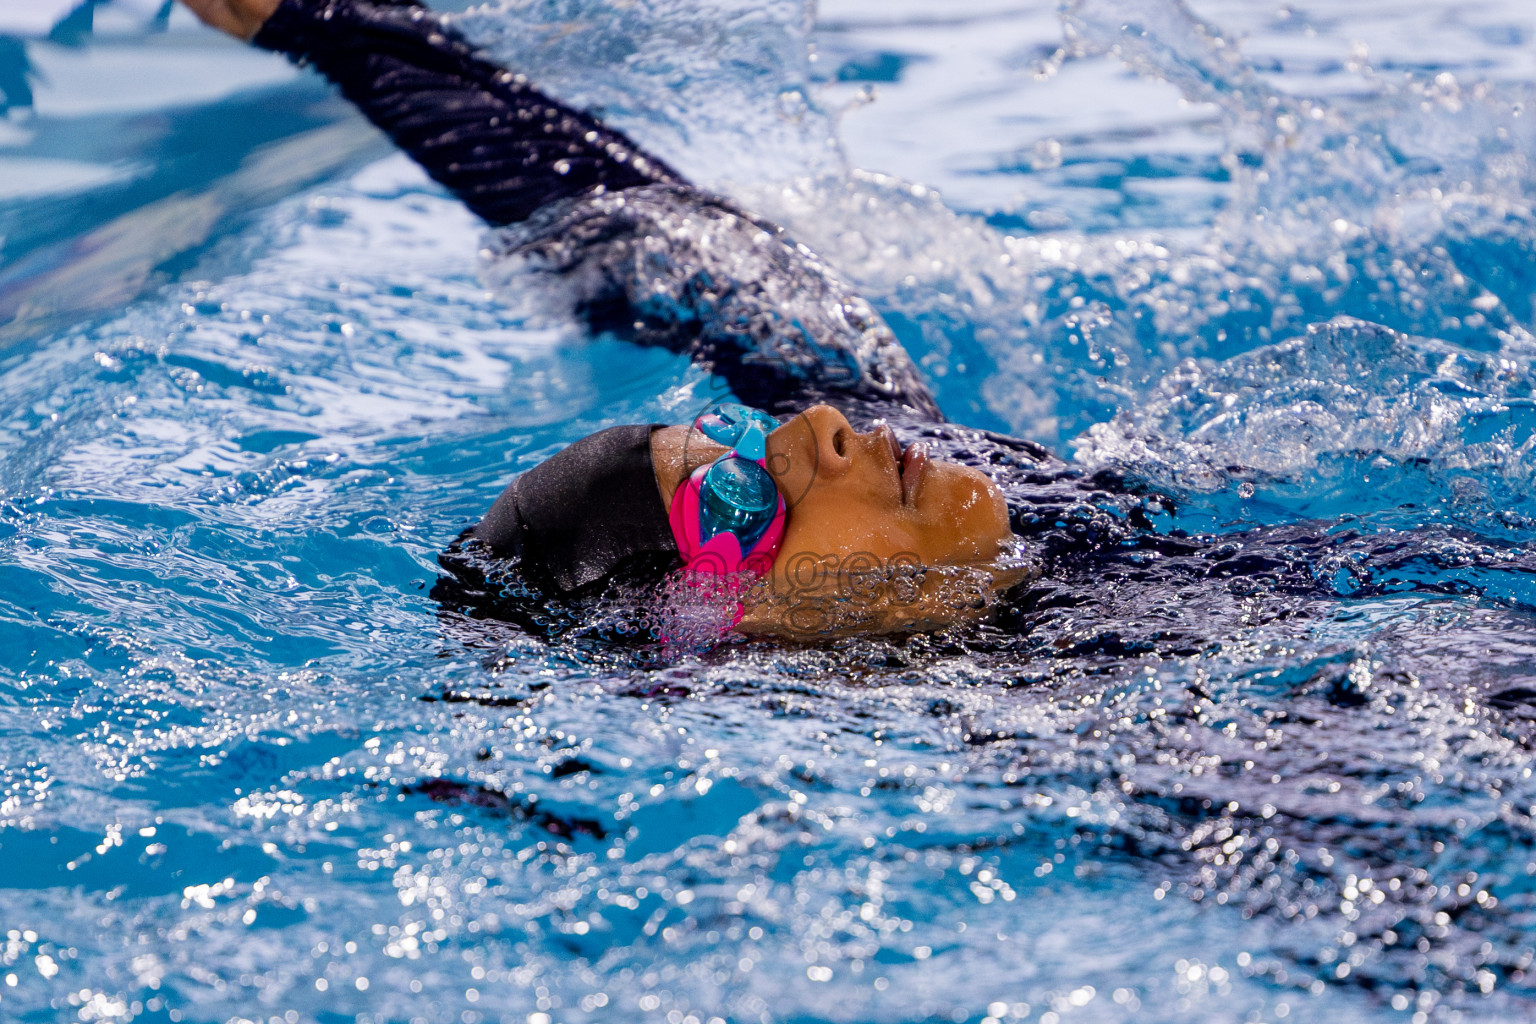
column 737, row 496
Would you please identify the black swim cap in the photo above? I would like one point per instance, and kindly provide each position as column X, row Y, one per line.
column 576, row 517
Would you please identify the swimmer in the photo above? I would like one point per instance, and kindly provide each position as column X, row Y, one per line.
column 882, row 501
column 877, row 515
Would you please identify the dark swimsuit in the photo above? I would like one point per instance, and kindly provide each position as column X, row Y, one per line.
column 643, row 254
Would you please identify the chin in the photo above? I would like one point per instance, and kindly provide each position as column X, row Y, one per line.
column 964, row 503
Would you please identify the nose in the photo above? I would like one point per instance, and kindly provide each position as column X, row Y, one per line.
column 834, row 437
column 817, row 444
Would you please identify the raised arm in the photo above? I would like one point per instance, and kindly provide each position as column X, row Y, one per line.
column 656, row 260
column 487, row 135
column 678, row 268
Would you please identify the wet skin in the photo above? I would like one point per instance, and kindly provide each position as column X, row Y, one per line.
column 858, row 493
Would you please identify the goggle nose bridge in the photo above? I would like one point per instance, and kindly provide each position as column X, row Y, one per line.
column 729, row 423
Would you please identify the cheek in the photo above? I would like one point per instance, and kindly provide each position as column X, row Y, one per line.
column 793, row 460
column 846, row 515
column 845, row 530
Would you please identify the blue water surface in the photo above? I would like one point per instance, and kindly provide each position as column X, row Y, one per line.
column 1275, row 262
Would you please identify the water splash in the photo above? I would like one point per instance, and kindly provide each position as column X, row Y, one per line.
column 1405, row 204
column 722, row 87
column 1439, row 423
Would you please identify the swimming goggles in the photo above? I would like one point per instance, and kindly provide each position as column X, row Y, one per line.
column 728, row 516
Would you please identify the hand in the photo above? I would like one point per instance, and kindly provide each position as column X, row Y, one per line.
column 240, row 18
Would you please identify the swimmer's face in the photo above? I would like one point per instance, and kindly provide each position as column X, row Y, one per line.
column 851, row 493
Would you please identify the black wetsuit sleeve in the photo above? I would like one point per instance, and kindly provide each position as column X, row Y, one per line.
column 501, row 146
column 675, row 267
column 781, row 327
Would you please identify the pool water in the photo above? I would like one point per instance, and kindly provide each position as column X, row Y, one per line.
column 1273, row 262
